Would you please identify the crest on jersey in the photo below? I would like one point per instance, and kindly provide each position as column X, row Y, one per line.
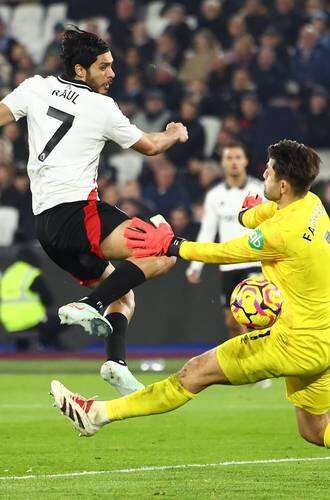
column 257, row 240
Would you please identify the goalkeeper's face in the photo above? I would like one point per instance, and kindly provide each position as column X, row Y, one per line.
column 272, row 185
column 100, row 74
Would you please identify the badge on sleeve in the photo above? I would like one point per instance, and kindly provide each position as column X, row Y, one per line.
column 257, row 240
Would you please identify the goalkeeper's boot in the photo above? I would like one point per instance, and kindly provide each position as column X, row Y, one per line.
column 79, row 313
column 79, row 410
column 120, row 377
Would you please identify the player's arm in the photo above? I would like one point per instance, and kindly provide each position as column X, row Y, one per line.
column 207, row 232
column 248, row 248
column 155, row 143
column 264, row 244
column 6, row 116
column 254, row 212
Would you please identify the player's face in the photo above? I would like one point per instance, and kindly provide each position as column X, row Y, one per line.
column 234, row 162
column 272, row 186
column 100, row 74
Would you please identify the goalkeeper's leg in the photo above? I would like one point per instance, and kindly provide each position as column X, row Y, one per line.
column 89, row 415
column 166, row 395
column 314, row 428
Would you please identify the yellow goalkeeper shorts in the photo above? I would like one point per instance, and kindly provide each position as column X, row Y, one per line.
column 302, row 358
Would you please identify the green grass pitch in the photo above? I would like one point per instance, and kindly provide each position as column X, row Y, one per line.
column 224, row 424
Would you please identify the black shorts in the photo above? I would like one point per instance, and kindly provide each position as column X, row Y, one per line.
column 231, row 278
column 71, row 234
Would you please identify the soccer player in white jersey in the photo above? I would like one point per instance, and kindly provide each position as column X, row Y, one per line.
column 69, row 120
column 221, row 206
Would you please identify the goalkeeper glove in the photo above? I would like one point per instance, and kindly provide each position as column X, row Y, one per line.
column 251, row 200
column 146, row 240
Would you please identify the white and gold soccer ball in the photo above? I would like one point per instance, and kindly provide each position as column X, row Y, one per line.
column 256, row 303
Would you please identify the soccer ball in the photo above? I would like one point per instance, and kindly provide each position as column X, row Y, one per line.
column 256, row 303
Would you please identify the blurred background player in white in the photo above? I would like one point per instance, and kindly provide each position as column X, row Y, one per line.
column 222, row 204
column 70, row 118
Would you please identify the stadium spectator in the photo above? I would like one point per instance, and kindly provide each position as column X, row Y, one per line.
column 142, row 41
column 15, row 138
column 256, row 17
column 236, row 28
column 177, row 25
column 6, row 41
column 164, row 78
column 188, row 115
column 318, row 119
column 154, row 115
column 165, row 192
column 210, row 18
column 54, row 47
column 180, row 222
column 268, row 75
column 199, row 62
column 286, row 19
column 168, row 50
column 18, row 195
column 320, row 21
column 311, row 62
column 121, row 22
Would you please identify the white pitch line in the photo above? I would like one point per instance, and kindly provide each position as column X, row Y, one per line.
column 163, row 468
column 12, row 406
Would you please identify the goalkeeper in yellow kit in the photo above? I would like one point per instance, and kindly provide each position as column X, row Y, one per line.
column 291, row 238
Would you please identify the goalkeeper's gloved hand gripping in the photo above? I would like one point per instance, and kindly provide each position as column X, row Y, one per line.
column 146, row 240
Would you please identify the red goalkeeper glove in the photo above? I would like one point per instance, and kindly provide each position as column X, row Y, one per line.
column 251, row 200
column 147, row 240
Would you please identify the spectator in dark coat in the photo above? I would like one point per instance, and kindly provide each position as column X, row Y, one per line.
column 210, row 18
column 179, row 154
column 317, row 132
column 311, row 62
column 18, row 195
column 177, row 25
column 268, row 74
column 286, row 19
column 277, row 121
column 122, row 20
column 165, row 192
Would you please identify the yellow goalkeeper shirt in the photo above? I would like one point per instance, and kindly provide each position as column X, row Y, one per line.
column 293, row 245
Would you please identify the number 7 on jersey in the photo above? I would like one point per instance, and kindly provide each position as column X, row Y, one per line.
column 67, row 121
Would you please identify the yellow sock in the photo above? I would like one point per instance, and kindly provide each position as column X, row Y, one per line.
column 160, row 397
column 327, row 436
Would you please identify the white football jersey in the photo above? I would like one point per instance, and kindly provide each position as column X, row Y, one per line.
column 221, row 208
column 68, row 124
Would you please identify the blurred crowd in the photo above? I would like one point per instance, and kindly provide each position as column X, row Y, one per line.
column 253, row 71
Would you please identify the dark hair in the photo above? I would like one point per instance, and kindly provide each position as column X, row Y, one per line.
column 80, row 47
column 296, row 163
column 232, row 145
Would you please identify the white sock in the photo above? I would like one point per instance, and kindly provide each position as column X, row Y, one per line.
column 100, row 415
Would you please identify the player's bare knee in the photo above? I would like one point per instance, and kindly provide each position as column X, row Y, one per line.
column 189, row 375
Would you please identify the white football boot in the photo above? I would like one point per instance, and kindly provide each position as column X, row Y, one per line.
column 120, row 378
column 264, row 384
column 79, row 410
column 79, row 313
